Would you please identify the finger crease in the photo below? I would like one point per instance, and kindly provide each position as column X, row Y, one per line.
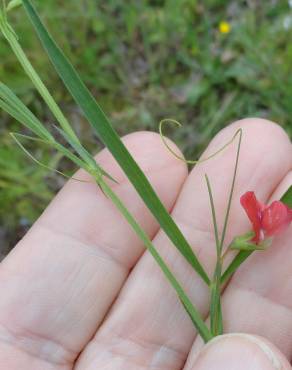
column 102, row 250
column 38, row 346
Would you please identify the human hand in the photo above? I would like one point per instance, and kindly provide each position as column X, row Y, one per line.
column 80, row 291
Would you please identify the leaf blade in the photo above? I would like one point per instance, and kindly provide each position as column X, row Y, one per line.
column 287, row 197
column 189, row 307
column 110, row 138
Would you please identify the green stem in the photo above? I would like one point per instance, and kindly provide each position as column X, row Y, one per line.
column 232, row 189
column 215, row 304
column 215, row 307
column 192, row 311
column 11, row 37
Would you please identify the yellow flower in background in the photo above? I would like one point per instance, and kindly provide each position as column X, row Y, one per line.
column 224, row 27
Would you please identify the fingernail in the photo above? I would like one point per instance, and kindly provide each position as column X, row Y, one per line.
column 237, row 352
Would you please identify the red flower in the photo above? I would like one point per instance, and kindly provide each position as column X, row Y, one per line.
column 266, row 220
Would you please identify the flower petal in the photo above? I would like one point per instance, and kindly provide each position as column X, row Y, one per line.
column 253, row 209
column 276, row 218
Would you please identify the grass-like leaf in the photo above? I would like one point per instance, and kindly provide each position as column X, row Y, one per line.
column 92, row 166
column 10, row 103
column 60, row 148
column 215, row 303
column 12, row 39
column 191, row 310
column 108, row 135
column 86, row 164
column 287, row 197
column 14, row 106
column 238, row 132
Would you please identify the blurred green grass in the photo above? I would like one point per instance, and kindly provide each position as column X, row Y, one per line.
column 144, row 61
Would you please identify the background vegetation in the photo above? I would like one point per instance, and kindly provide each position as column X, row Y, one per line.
column 144, row 61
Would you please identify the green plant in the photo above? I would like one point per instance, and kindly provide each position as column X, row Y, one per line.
column 24, row 187
column 78, row 154
column 177, row 65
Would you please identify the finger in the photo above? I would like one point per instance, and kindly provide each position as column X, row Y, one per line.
column 240, row 352
column 283, row 186
column 60, row 280
column 148, row 319
column 258, row 299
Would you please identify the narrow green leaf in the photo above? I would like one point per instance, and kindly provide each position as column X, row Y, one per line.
column 14, row 106
column 214, row 218
column 13, row 4
column 287, row 197
column 108, row 135
column 10, row 103
column 243, row 255
column 55, row 145
column 205, row 334
column 84, row 154
column 216, row 323
column 11, row 37
column 239, row 132
column 191, row 310
column 215, row 302
column 220, row 321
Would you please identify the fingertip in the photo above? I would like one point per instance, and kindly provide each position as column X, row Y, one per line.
column 267, row 128
column 259, row 129
column 282, row 187
column 239, row 351
column 265, row 156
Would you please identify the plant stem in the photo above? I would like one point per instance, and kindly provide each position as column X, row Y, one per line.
column 11, row 37
column 215, row 307
column 231, row 190
column 215, row 287
column 192, row 311
column 215, row 304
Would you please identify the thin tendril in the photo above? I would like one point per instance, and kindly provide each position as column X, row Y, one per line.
column 42, row 164
column 189, row 161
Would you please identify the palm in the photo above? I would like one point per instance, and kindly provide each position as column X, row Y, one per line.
column 79, row 292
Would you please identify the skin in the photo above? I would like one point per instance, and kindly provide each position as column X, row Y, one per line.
column 80, row 292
